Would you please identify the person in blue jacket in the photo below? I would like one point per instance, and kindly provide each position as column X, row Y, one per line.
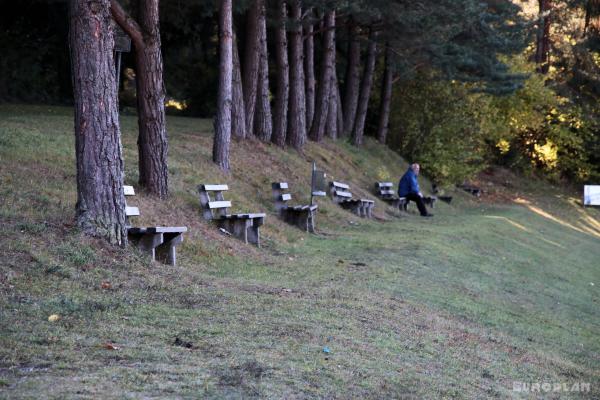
column 409, row 188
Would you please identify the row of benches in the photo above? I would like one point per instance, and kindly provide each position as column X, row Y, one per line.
column 161, row 242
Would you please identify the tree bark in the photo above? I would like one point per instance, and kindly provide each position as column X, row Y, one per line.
column 592, row 18
column 153, row 145
column 365, row 91
column 331, row 128
column 283, row 77
column 252, row 62
column 386, row 97
column 296, row 136
column 543, row 36
column 352, row 84
column 317, row 130
column 340, row 112
column 309, row 69
column 225, row 96
column 263, row 120
column 238, row 117
column 100, row 208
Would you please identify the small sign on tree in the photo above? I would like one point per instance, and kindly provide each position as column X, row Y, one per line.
column 122, row 40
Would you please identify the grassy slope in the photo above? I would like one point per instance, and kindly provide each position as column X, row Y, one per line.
column 457, row 306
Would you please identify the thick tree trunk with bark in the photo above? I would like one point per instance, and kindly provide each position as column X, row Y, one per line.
column 222, row 138
column 263, row 120
column 153, row 144
column 296, row 136
column 543, row 36
column 309, row 70
column 100, row 206
column 352, row 83
column 365, row 91
column 331, row 128
column 238, row 112
column 317, row 130
column 252, row 62
column 592, row 18
column 340, row 112
column 283, row 77
column 386, row 97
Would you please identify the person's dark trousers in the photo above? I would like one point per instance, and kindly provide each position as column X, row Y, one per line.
column 420, row 203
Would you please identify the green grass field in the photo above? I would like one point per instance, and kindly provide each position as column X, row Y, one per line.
column 458, row 306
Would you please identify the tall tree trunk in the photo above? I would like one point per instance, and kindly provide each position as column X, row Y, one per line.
column 543, row 36
column 238, row 117
column 365, row 90
column 309, row 69
column 340, row 112
column 317, row 130
column 332, row 113
column 296, row 136
column 592, row 18
column 100, row 208
column 283, row 77
column 153, row 145
column 386, row 97
column 225, row 96
column 263, row 120
column 252, row 62
column 352, row 80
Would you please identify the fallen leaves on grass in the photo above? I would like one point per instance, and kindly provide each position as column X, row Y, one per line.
column 110, row 346
column 53, row 318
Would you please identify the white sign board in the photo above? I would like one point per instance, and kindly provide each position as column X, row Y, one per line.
column 591, row 195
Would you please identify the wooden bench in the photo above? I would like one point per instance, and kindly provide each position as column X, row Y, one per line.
column 301, row 216
column 160, row 242
column 243, row 226
column 474, row 190
column 385, row 191
column 340, row 194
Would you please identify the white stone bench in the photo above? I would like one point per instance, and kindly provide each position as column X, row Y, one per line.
column 159, row 242
column 340, row 194
column 302, row 216
column 385, row 191
column 243, row 226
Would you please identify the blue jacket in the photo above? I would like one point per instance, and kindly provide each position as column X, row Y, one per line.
column 408, row 184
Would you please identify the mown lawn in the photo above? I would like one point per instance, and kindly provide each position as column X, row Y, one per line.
column 458, row 306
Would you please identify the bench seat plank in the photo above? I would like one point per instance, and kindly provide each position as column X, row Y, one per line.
column 158, row 229
column 340, row 185
column 215, row 188
column 243, row 216
column 343, row 194
column 219, row 204
column 132, row 211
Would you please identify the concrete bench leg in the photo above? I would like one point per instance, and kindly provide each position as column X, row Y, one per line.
column 167, row 252
column 253, row 234
column 311, row 221
column 149, row 242
column 240, row 229
column 358, row 210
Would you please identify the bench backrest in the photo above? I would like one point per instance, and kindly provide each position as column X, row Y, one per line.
column 339, row 191
column 281, row 194
column 130, row 211
column 385, row 189
column 212, row 202
column 591, row 195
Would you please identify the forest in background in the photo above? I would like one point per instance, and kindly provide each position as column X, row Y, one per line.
column 474, row 84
